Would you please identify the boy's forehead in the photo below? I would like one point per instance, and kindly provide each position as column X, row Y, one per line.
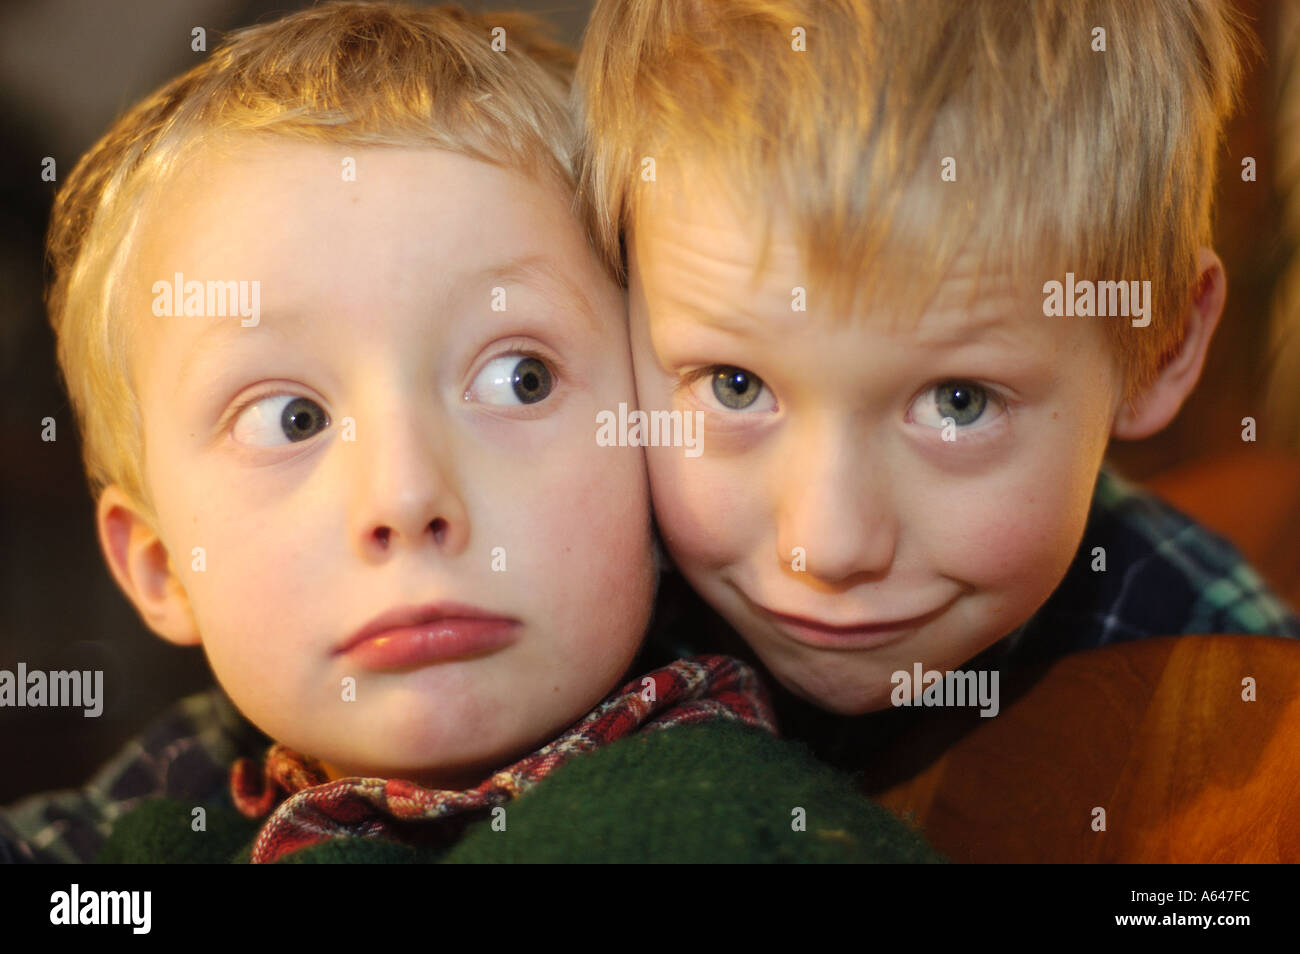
column 251, row 202
column 728, row 262
column 418, row 225
column 683, row 224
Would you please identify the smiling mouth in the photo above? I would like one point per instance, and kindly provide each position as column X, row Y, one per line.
column 866, row 634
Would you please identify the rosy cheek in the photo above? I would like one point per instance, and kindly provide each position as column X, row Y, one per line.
column 596, row 503
column 701, row 514
column 260, row 570
column 1022, row 540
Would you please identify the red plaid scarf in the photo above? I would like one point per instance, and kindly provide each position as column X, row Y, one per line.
column 688, row 691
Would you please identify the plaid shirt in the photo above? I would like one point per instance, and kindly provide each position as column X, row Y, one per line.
column 1164, row 575
column 186, row 755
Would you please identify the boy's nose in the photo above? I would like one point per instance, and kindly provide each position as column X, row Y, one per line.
column 833, row 511
column 407, row 492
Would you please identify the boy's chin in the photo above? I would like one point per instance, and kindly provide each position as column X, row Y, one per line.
column 827, row 685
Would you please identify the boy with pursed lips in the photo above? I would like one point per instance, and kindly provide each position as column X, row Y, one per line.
column 372, row 491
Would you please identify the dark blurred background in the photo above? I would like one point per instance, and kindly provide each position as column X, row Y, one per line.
column 68, row 67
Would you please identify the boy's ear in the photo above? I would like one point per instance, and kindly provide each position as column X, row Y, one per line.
column 1156, row 406
column 140, row 564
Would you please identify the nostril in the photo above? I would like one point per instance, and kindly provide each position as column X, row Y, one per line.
column 439, row 530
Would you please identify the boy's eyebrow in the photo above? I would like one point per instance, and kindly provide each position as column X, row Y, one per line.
column 536, row 269
column 983, row 323
column 991, row 318
column 226, row 328
column 732, row 320
column 533, row 270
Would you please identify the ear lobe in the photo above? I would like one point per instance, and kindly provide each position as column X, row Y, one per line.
column 1152, row 410
column 143, row 569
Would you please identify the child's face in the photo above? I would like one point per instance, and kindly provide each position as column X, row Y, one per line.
column 827, row 492
column 447, row 320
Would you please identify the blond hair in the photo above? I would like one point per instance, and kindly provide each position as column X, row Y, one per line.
column 1066, row 155
column 352, row 73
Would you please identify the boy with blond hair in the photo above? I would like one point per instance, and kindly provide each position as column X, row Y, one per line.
column 917, row 262
column 336, row 342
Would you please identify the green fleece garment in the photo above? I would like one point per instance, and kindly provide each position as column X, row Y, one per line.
column 715, row 792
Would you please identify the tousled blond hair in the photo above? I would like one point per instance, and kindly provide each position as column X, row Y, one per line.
column 1066, row 157
column 351, row 73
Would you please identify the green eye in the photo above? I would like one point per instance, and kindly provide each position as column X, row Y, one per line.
column 736, row 388
column 962, row 401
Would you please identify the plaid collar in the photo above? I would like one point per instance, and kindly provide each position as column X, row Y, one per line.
column 1181, row 579
column 306, row 807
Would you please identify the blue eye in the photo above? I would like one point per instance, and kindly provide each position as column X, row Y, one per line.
column 512, row 380
column 279, row 419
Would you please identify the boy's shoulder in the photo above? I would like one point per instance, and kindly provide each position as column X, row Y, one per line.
column 1144, row 568
column 717, row 791
column 184, row 755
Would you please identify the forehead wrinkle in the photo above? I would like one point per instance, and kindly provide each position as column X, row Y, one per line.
column 735, row 320
column 727, row 303
column 733, row 241
column 973, row 305
column 969, row 329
